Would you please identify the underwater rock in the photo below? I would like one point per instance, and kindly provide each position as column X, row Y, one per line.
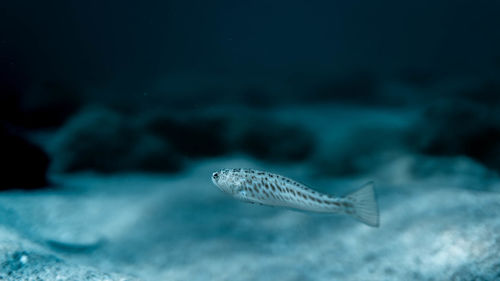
column 422, row 170
column 151, row 153
column 458, row 128
column 24, row 164
column 430, row 166
column 191, row 135
column 204, row 135
column 273, row 141
column 361, row 151
column 103, row 140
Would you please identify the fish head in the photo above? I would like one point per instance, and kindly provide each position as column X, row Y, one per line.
column 225, row 181
column 228, row 181
column 232, row 183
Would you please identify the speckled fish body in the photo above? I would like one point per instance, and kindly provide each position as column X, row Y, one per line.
column 265, row 188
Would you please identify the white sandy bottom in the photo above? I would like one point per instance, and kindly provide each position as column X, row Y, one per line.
column 182, row 228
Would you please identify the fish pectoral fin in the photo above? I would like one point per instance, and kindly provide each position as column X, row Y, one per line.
column 240, row 192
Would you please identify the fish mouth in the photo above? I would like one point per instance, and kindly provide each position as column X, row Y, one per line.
column 215, row 182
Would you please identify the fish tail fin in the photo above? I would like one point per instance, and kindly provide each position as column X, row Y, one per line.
column 364, row 205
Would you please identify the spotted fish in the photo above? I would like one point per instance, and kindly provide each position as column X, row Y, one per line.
column 265, row 188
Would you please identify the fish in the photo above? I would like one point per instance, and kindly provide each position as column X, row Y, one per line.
column 264, row 188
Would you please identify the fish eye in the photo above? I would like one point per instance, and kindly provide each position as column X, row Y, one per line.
column 216, row 175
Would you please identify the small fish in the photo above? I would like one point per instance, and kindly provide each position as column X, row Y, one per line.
column 265, row 188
